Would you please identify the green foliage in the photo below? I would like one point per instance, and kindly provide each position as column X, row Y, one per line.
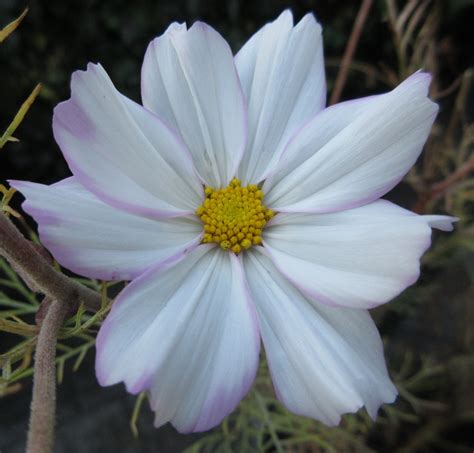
column 8, row 134
column 262, row 424
column 6, row 31
column 17, row 305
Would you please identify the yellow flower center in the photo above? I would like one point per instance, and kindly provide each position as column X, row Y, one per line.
column 234, row 217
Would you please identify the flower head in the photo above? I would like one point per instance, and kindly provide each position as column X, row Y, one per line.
column 234, row 217
column 241, row 208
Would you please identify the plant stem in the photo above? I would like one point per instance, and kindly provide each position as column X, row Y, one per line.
column 43, row 403
column 438, row 189
column 37, row 272
column 268, row 421
column 65, row 294
column 350, row 50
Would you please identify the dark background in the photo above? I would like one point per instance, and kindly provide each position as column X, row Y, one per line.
column 59, row 37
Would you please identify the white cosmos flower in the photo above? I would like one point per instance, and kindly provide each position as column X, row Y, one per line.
column 187, row 328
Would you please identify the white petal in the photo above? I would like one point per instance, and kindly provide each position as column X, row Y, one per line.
column 94, row 239
column 189, row 79
column 281, row 69
column 189, row 335
column 121, row 152
column 358, row 258
column 324, row 361
column 355, row 152
column 440, row 222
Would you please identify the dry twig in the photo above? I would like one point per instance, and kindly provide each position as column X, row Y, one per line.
column 350, row 50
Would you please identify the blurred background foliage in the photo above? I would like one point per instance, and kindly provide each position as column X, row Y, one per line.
column 428, row 331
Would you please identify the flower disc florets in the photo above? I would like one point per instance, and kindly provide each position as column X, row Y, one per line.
column 234, row 217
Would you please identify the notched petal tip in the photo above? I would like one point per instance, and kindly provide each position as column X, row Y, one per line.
column 419, row 82
column 441, row 222
column 17, row 184
column 286, row 14
column 176, row 27
column 389, row 397
column 340, row 366
column 68, row 114
column 77, row 76
column 310, row 19
column 374, row 249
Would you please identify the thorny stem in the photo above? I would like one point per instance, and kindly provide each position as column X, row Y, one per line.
column 43, row 403
column 350, row 50
column 35, row 269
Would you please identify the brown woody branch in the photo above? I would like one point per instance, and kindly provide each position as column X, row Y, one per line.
column 350, row 50
column 37, row 272
column 61, row 295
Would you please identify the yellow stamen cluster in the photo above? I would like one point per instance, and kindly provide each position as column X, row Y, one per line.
column 234, row 217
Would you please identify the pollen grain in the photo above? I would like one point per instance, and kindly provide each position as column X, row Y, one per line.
column 234, row 217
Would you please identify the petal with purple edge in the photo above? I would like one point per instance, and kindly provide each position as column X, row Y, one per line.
column 121, row 152
column 97, row 240
column 353, row 153
column 324, row 361
column 358, row 258
column 189, row 335
column 281, row 69
column 189, row 79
